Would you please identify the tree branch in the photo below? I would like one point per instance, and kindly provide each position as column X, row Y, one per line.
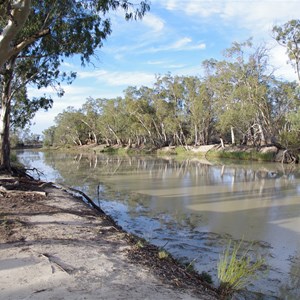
column 19, row 14
column 17, row 49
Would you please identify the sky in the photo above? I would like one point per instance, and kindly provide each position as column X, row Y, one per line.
column 175, row 37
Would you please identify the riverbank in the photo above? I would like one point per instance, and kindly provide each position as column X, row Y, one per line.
column 55, row 246
column 268, row 153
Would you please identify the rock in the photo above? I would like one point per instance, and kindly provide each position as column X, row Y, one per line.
column 271, row 149
column 203, row 149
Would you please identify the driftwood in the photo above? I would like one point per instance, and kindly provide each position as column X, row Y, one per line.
column 83, row 196
column 3, row 189
column 56, row 262
column 288, row 156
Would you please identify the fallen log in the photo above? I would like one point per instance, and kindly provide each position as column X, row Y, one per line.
column 3, row 189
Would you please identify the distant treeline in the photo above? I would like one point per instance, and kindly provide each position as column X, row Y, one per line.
column 237, row 100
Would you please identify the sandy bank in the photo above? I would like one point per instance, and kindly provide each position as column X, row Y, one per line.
column 57, row 247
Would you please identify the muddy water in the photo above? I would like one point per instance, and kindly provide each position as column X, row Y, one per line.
column 193, row 208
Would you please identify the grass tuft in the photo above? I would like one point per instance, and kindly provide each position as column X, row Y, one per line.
column 235, row 270
column 162, row 254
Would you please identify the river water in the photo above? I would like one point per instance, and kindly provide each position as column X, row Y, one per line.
column 193, row 208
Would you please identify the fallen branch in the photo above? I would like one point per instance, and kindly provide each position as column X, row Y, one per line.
column 54, row 261
column 7, row 191
column 82, row 194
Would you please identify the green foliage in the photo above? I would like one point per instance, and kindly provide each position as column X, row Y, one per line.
column 58, row 29
column 140, row 244
column 288, row 35
column 242, row 155
column 236, row 270
column 33, row 52
column 163, row 254
column 241, row 92
column 14, row 139
column 235, row 99
column 181, row 150
column 70, row 128
column 13, row 157
column 49, row 135
column 24, row 108
column 290, row 135
column 115, row 150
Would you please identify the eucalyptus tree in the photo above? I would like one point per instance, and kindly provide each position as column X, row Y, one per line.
column 113, row 121
column 199, row 109
column 92, row 110
column 48, row 136
column 170, row 89
column 290, row 135
column 139, row 107
column 240, row 85
column 220, row 79
column 35, row 38
column 288, row 35
column 163, row 119
column 285, row 98
column 70, row 130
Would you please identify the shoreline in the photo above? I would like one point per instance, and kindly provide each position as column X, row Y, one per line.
column 56, row 246
column 267, row 153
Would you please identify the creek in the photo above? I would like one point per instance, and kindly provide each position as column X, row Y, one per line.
column 194, row 207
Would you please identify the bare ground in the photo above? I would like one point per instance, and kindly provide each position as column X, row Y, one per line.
column 55, row 246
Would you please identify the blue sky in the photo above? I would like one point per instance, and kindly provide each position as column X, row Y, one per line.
column 175, row 36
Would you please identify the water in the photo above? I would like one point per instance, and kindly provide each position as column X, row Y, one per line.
column 193, row 208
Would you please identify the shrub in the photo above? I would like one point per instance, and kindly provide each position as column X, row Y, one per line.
column 181, row 150
column 236, row 271
column 162, row 254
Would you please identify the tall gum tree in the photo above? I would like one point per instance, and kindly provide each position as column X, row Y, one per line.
column 288, row 35
column 35, row 37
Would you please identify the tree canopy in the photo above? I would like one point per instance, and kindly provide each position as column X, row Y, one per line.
column 288, row 35
column 238, row 99
column 36, row 37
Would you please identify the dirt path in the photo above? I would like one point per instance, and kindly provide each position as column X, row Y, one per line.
column 55, row 246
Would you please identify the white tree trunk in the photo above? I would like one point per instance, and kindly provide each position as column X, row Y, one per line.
column 222, row 143
column 19, row 13
column 5, row 115
column 262, row 135
column 196, row 135
column 232, row 136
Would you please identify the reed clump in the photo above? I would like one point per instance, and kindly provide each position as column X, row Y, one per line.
column 236, row 269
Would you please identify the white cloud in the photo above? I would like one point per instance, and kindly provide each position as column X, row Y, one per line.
column 256, row 16
column 128, row 78
column 156, row 62
column 171, row 4
column 249, row 18
column 69, row 65
column 166, row 64
column 155, row 23
column 279, row 58
column 176, row 66
column 91, row 74
column 200, row 46
column 71, row 90
column 183, row 44
column 119, row 78
column 204, row 8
